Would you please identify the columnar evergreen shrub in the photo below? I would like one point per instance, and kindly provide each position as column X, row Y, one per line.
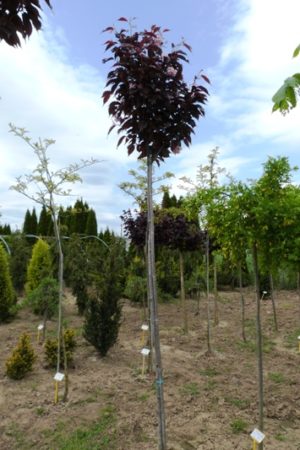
column 44, row 299
column 20, row 255
column 7, row 295
column 39, row 266
column 51, row 349
column 21, row 360
column 103, row 313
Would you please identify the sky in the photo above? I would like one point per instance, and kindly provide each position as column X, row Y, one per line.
column 52, row 87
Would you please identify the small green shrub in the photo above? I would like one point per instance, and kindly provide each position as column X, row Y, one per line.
column 136, row 288
column 238, row 426
column 21, row 360
column 51, row 349
column 7, row 294
column 44, row 299
column 276, row 377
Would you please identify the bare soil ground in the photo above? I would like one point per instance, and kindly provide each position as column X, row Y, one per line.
column 211, row 401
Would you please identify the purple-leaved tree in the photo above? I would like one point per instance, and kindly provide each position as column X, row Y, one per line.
column 19, row 16
column 155, row 112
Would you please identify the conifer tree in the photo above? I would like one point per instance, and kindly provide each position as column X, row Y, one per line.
column 27, row 223
column 39, row 266
column 20, row 255
column 43, row 224
column 91, row 223
column 7, row 296
column 34, row 222
column 103, row 313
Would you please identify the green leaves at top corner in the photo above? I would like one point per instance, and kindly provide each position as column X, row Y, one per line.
column 296, row 51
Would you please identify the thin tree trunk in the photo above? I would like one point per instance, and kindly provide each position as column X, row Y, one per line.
column 66, row 379
column 242, row 302
column 216, row 305
column 259, row 346
column 298, row 289
column 153, row 307
column 45, row 318
column 150, row 342
column 209, row 350
column 60, row 301
column 182, row 293
column 273, row 302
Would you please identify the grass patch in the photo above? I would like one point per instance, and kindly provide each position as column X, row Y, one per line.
column 100, row 435
column 280, row 437
column 277, row 377
column 250, row 345
column 210, row 385
column 238, row 402
column 209, row 372
column 190, row 389
column 238, row 426
column 291, row 339
column 143, row 397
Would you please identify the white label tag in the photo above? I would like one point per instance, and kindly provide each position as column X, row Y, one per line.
column 145, row 327
column 40, row 327
column 145, row 351
column 59, row 376
column 257, row 435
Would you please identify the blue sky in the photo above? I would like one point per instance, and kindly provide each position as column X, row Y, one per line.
column 52, row 86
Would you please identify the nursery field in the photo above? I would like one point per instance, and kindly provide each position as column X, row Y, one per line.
column 211, row 401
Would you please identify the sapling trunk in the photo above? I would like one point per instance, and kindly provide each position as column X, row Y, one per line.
column 273, row 302
column 150, row 341
column 216, row 305
column 66, row 379
column 152, row 295
column 259, row 345
column 242, row 302
column 60, row 338
column 182, row 293
column 209, row 350
column 298, row 289
column 45, row 318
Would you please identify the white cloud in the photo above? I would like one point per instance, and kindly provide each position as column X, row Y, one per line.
column 255, row 59
column 43, row 92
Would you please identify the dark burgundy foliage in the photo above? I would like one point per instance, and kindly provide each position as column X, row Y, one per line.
column 19, row 16
column 152, row 106
column 172, row 231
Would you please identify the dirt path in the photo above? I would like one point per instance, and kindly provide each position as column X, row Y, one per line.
column 211, row 402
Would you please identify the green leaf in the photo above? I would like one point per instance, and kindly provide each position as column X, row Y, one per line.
column 296, row 51
column 291, row 96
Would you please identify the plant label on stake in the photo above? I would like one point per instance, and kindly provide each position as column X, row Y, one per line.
column 257, row 437
column 144, row 328
column 57, row 378
column 39, row 328
column 145, row 352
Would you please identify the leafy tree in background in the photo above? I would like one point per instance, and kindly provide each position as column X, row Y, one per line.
column 156, row 112
column 19, row 16
column 285, row 98
column 137, row 189
column 7, row 295
column 39, row 267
